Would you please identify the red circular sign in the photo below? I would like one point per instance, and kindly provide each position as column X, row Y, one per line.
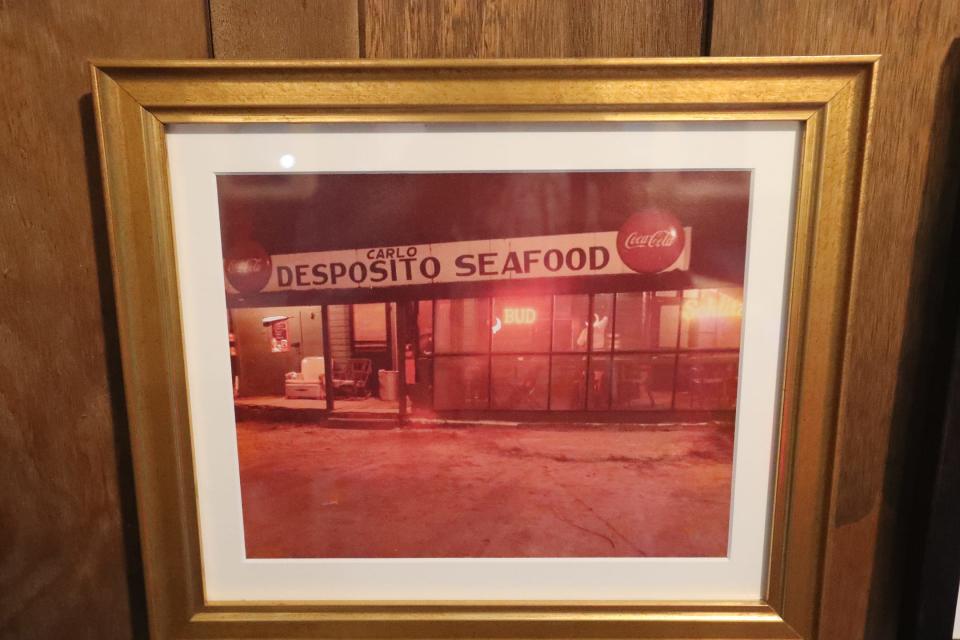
column 248, row 267
column 650, row 241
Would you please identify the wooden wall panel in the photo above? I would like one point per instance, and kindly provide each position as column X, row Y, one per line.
column 531, row 28
column 906, row 203
column 284, row 28
column 63, row 552
column 69, row 564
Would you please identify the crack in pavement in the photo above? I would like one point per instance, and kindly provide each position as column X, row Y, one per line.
column 637, row 550
column 520, row 452
column 609, row 525
column 573, row 524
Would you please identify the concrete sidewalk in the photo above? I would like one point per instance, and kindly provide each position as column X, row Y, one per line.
column 484, row 491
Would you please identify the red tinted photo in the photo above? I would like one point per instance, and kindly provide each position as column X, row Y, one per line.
column 485, row 364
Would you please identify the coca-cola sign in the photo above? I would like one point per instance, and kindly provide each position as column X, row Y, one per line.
column 247, row 266
column 650, row 241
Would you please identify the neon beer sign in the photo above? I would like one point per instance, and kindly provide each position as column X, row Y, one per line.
column 519, row 315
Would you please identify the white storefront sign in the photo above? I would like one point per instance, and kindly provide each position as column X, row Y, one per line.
column 578, row 254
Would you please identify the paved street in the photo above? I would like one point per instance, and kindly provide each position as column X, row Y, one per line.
column 485, row 491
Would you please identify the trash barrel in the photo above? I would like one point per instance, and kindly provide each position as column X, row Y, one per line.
column 389, row 384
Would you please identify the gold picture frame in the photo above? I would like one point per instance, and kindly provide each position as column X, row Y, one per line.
column 135, row 100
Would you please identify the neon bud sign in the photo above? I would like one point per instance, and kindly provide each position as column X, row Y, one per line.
column 519, row 315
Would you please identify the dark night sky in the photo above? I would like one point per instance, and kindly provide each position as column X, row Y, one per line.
column 317, row 212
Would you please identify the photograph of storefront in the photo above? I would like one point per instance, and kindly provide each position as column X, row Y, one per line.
column 664, row 351
column 392, row 312
column 604, row 352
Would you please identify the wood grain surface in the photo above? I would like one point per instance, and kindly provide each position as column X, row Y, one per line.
column 284, row 29
column 905, row 204
column 531, row 28
column 69, row 563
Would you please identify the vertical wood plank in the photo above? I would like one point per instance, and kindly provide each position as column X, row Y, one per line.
column 906, row 202
column 531, row 28
column 284, row 28
column 69, row 560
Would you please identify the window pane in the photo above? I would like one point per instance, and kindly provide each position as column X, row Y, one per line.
column 646, row 321
column 568, row 387
column 711, row 319
column 521, row 324
column 425, row 327
column 602, row 320
column 370, row 324
column 520, row 382
column 418, row 385
column 598, row 389
column 707, row 381
column 643, row 382
column 460, row 382
column 463, row 326
column 570, row 322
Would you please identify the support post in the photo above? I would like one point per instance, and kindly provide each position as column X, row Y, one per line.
column 327, row 359
column 403, row 324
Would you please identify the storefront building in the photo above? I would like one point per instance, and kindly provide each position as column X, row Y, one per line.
column 627, row 351
column 620, row 352
column 553, row 312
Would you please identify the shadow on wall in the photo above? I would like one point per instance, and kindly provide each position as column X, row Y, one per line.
column 931, row 572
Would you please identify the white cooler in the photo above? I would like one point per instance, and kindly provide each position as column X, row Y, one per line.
column 309, row 382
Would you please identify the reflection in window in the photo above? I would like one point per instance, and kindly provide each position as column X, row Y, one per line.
column 519, row 382
column 707, row 381
column 598, row 383
column 642, row 382
column 425, row 327
column 602, row 321
column 463, row 326
column 568, row 380
column 570, row 322
column 646, row 321
column 461, row 382
column 423, row 365
column 521, row 324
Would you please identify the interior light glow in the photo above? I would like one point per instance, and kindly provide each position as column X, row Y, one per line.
column 287, row 161
column 716, row 307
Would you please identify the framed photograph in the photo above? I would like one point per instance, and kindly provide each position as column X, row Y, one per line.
column 484, row 348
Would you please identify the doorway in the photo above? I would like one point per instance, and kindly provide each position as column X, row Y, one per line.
column 363, row 359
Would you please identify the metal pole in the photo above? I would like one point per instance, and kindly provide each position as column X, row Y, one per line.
column 676, row 355
column 553, row 310
column 613, row 338
column 433, row 353
column 402, row 310
column 489, row 353
column 589, row 376
column 327, row 359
